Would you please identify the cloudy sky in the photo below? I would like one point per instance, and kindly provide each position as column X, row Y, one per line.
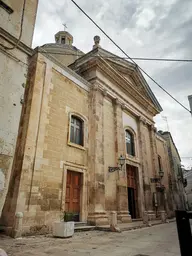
column 143, row 28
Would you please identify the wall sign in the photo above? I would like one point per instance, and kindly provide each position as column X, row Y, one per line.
column 155, row 180
column 113, row 169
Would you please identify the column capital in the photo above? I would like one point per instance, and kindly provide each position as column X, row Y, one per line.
column 104, row 92
column 95, row 87
column 142, row 120
column 152, row 127
column 117, row 102
column 123, row 106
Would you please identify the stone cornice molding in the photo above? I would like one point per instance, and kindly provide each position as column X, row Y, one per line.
column 118, row 79
column 125, row 105
column 68, row 70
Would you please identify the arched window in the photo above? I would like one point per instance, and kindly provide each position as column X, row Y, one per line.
column 129, row 140
column 76, row 130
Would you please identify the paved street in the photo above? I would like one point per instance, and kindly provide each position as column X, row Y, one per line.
column 154, row 241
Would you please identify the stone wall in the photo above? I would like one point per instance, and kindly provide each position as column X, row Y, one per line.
column 40, row 188
column 13, row 77
column 12, row 22
column 13, row 73
column 167, row 203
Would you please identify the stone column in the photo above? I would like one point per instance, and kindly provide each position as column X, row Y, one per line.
column 122, row 196
column 97, row 214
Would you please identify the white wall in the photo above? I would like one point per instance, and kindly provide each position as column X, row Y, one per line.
column 12, row 22
column 12, row 76
column 130, row 121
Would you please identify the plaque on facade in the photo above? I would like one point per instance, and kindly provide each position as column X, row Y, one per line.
column 155, row 180
column 113, row 169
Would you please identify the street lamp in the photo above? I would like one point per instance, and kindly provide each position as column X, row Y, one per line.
column 161, row 174
column 121, row 161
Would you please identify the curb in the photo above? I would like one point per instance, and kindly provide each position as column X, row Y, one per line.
column 107, row 229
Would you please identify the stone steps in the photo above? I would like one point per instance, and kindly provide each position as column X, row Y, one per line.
column 80, row 224
column 83, row 226
column 134, row 220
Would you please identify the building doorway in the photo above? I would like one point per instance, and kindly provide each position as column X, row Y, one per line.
column 132, row 191
column 73, row 192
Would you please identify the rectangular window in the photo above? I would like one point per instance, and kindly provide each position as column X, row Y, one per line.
column 76, row 131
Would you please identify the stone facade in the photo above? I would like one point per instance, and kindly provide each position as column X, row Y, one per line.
column 165, row 198
column 176, row 174
column 14, row 56
column 110, row 98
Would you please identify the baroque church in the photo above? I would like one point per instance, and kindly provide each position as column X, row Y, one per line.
column 87, row 142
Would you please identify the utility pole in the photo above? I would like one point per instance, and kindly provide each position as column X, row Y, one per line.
column 190, row 102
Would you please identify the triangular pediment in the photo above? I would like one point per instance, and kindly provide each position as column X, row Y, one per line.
column 123, row 69
column 132, row 78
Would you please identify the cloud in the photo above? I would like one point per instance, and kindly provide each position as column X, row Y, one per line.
column 150, row 28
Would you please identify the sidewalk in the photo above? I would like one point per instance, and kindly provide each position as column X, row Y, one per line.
column 133, row 225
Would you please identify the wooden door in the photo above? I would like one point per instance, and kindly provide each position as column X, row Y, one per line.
column 132, row 190
column 72, row 197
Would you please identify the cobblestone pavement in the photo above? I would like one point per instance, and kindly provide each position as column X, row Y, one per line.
column 158, row 240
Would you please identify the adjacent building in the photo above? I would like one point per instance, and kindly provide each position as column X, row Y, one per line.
column 17, row 19
column 176, row 179
column 188, row 188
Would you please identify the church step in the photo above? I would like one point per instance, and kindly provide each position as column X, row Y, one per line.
column 84, row 228
column 80, row 223
column 134, row 220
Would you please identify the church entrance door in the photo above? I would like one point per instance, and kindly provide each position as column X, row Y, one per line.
column 73, row 191
column 132, row 190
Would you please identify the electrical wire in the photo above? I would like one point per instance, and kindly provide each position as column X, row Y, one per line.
column 128, row 55
column 21, row 30
column 124, row 58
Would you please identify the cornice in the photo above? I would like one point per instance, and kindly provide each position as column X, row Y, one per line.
column 99, row 85
column 57, row 62
column 100, row 65
column 12, row 40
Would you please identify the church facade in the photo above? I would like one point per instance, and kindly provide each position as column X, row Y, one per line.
column 87, row 143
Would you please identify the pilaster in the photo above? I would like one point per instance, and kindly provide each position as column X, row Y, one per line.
column 97, row 214
column 141, row 121
column 147, row 198
column 152, row 130
column 122, row 196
